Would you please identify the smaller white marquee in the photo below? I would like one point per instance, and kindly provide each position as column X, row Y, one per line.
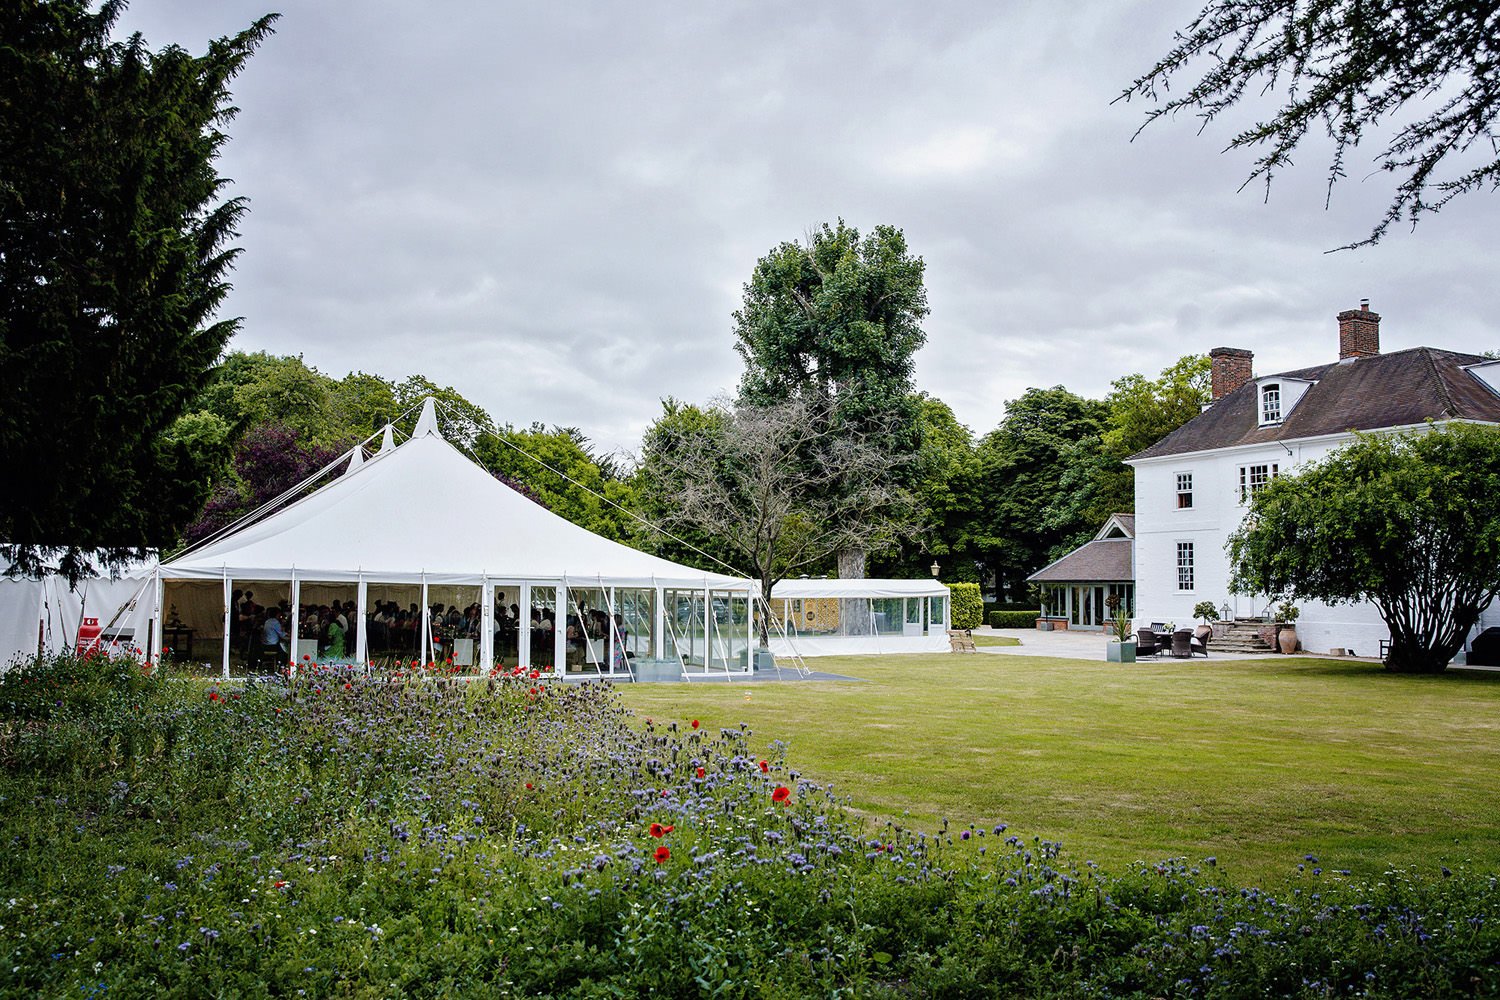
column 844, row 617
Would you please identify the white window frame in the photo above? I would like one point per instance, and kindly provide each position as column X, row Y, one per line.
column 1184, row 490
column 1248, row 484
column 1188, row 548
column 1270, row 393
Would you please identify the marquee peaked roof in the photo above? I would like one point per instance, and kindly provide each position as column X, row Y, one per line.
column 423, row 510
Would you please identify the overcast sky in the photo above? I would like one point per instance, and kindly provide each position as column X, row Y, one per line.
column 553, row 207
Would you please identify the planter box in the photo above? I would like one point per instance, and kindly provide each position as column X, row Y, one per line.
column 653, row 671
column 1120, row 652
column 1043, row 625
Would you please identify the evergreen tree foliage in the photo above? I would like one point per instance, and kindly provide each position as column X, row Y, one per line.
column 114, row 257
column 945, row 491
column 1020, row 468
column 1419, row 77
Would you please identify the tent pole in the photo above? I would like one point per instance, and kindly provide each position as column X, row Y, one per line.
column 486, row 626
column 523, row 626
column 362, row 621
column 609, row 630
column 426, row 647
column 659, row 637
column 227, row 610
column 296, row 622
column 708, row 646
column 750, row 648
column 560, row 630
column 154, row 640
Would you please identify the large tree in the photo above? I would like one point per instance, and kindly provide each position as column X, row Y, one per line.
column 1410, row 523
column 756, row 483
column 835, row 323
column 114, row 257
column 1419, row 78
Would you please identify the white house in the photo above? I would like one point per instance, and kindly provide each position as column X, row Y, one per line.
column 1192, row 487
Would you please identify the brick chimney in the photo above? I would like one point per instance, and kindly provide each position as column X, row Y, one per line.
column 1359, row 332
column 1229, row 368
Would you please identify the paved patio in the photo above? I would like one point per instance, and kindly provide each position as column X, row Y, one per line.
column 1078, row 645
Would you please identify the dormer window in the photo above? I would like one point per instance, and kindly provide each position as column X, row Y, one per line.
column 1270, row 403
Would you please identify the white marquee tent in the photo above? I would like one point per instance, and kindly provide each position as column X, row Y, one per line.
column 423, row 519
column 45, row 614
column 833, row 617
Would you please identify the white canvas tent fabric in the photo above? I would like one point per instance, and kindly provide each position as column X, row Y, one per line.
column 49, row 611
column 930, row 634
column 859, row 588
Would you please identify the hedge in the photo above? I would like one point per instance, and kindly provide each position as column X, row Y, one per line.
column 968, row 605
column 990, row 606
column 1014, row 619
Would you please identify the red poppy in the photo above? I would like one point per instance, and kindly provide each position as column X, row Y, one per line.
column 765, row 768
column 534, row 674
column 529, row 786
column 781, row 794
column 695, row 723
column 307, row 656
column 701, row 772
column 657, row 830
column 213, row 696
column 661, row 855
column 348, row 686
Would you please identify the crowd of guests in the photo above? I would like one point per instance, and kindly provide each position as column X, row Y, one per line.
column 397, row 631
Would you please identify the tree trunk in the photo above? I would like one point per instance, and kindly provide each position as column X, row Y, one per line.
column 854, row 612
column 763, row 613
column 1411, row 655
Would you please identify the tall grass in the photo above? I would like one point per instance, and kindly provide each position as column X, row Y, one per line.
column 347, row 835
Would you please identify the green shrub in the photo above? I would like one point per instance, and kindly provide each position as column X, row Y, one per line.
column 968, row 605
column 1014, row 619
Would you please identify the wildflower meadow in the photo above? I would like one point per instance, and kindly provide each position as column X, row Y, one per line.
column 351, row 834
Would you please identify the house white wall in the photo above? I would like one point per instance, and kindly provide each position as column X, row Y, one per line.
column 1216, row 512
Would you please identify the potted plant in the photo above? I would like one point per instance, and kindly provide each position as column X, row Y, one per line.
column 1206, row 611
column 1286, row 626
column 1121, row 647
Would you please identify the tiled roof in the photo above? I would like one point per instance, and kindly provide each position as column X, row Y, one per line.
column 1100, row 561
column 1386, row 390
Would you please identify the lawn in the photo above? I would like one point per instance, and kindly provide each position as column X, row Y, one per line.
column 996, row 640
column 1256, row 763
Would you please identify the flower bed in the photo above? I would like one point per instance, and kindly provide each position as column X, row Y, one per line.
column 382, row 835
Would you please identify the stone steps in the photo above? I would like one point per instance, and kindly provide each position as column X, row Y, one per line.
column 1242, row 636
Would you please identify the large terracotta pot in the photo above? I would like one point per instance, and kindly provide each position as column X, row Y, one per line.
column 1287, row 639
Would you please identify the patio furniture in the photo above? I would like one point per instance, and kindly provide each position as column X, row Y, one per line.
column 1182, row 643
column 1146, row 643
column 1200, row 639
column 962, row 640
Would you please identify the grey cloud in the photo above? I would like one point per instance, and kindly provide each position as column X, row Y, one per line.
column 553, row 208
